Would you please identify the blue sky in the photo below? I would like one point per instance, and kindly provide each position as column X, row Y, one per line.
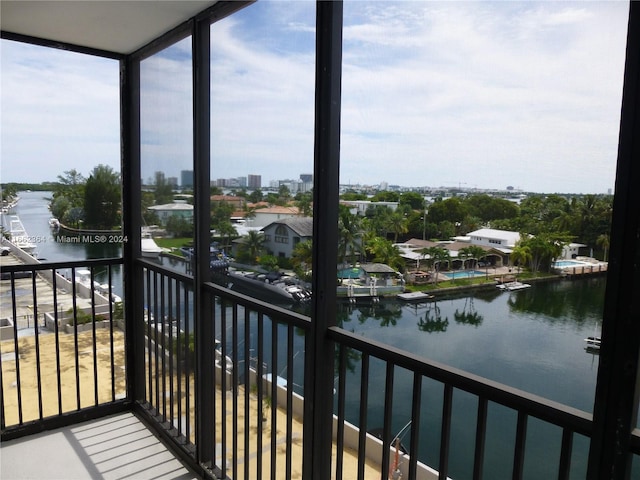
column 476, row 94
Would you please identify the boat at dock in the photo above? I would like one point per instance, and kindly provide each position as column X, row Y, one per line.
column 276, row 284
column 149, row 248
column 18, row 235
column 511, row 286
column 415, row 296
column 592, row 343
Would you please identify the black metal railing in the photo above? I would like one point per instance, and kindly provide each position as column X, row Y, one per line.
column 451, row 381
column 250, row 341
column 62, row 348
column 257, row 351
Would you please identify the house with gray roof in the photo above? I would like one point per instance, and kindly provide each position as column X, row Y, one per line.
column 281, row 236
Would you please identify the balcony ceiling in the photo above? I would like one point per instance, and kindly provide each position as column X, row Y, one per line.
column 114, row 26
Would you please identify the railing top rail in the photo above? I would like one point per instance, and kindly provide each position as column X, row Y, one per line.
column 534, row 405
column 274, row 312
column 174, row 274
column 30, row 267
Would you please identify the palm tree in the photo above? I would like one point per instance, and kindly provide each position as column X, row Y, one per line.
column 521, row 255
column 386, row 252
column 398, row 224
column 302, row 258
column 437, row 255
column 349, row 233
column 475, row 252
column 463, row 255
column 604, row 242
column 254, row 244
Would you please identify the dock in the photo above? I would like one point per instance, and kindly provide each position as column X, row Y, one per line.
column 26, row 307
column 414, row 296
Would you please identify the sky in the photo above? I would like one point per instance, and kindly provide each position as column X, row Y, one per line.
column 456, row 94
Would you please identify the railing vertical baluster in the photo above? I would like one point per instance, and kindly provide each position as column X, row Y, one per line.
column 165, row 321
column 148, row 331
column 415, row 422
column 2, row 420
column 223, row 385
column 290, row 385
column 260, row 390
column 111, row 323
column 364, row 405
column 34, row 296
column 388, row 411
column 481, row 430
column 16, row 347
column 178, row 353
column 235, row 387
column 56, row 332
column 342, row 360
column 274, row 394
column 521, row 437
column 157, row 317
column 247, row 388
column 187, row 364
column 172, row 319
column 564, row 469
column 75, row 334
column 445, row 435
column 94, row 336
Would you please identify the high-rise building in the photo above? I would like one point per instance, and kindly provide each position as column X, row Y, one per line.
column 254, row 181
column 186, row 178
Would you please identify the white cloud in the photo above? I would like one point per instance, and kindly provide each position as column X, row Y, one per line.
column 483, row 94
column 434, row 93
column 55, row 116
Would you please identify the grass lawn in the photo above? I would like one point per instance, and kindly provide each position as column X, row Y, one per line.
column 174, row 243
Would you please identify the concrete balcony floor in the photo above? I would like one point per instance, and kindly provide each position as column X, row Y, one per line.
column 115, row 447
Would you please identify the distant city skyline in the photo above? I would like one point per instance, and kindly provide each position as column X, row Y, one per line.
column 451, row 94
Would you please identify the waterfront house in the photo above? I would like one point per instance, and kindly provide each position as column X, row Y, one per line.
column 179, row 210
column 178, row 382
column 282, row 236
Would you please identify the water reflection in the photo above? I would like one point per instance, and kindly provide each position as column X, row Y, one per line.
column 567, row 300
column 468, row 315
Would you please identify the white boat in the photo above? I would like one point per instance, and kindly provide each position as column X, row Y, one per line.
column 275, row 284
column 18, row 235
column 54, row 224
column 414, row 296
column 83, row 277
column 150, row 248
column 592, row 343
column 511, row 286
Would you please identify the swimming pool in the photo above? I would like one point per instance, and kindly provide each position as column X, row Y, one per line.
column 354, row 272
column 464, row 274
column 569, row 263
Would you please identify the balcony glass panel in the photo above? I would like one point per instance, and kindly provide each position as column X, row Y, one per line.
column 460, row 121
column 166, row 119
column 62, row 338
column 262, row 96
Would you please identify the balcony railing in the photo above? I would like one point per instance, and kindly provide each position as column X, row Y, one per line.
column 254, row 357
column 72, row 358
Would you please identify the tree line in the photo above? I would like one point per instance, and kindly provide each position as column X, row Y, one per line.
column 94, row 202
